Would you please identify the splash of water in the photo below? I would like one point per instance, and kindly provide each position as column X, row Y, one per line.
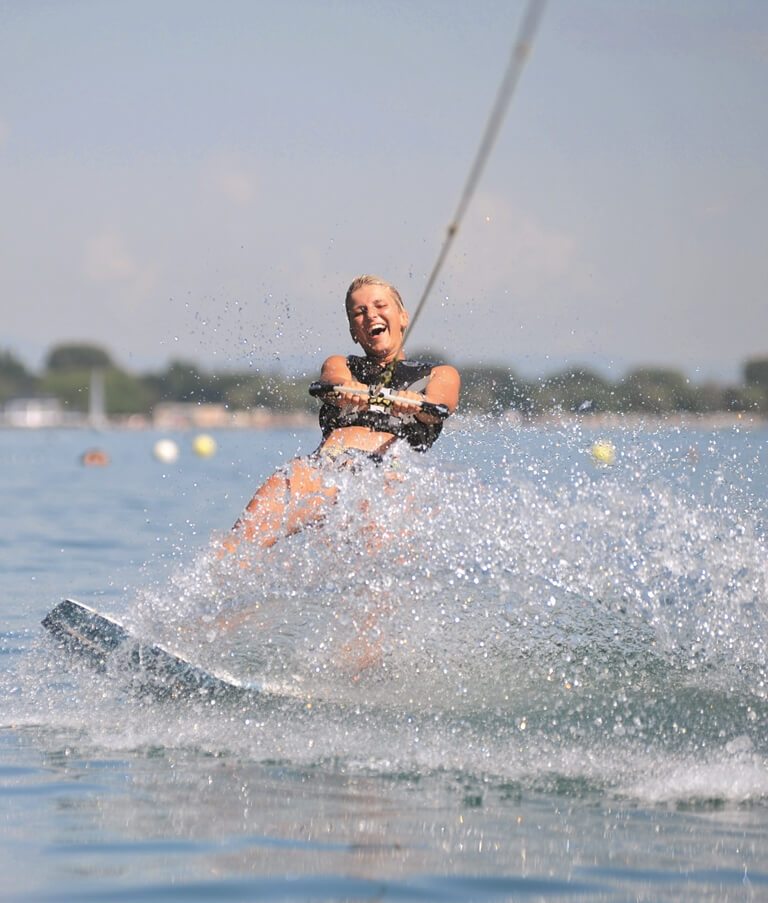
column 606, row 626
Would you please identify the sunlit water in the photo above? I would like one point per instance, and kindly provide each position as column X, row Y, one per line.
column 510, row 672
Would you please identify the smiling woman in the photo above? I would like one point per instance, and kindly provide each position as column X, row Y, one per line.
column 359, row 418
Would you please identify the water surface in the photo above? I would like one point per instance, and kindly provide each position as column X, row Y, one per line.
column 511, row 674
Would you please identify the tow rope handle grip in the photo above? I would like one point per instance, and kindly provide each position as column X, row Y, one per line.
column 320, row 390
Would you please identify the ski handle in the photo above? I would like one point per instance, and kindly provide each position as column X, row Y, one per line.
column 378, row 397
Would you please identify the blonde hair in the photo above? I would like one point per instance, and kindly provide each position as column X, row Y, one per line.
column 372, row 280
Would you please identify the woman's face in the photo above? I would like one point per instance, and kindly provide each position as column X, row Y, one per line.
column 377, row 322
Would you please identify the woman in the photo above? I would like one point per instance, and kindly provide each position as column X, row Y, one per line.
column 354, row 425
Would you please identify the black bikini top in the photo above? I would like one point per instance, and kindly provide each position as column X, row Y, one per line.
column 411, row 376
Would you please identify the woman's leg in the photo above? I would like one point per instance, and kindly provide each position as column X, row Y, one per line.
column 289, row 500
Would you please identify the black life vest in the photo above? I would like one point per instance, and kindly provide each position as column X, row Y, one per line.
column 411, row 376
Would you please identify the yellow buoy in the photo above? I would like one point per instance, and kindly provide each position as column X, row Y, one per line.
column 603, row 452
column 204, row 446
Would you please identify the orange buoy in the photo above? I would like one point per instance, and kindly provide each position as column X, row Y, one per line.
column 94, row 457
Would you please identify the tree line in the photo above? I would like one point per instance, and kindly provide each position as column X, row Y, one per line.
column 67, row 370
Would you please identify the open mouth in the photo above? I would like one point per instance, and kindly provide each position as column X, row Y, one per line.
column 377, row 330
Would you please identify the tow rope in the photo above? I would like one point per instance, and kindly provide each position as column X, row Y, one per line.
column 521, row 50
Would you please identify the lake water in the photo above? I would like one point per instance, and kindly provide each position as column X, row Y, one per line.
column 513, row 674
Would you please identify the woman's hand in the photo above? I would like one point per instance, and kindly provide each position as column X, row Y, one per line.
column 351, row 395
column 336, row 373
column 405, row 403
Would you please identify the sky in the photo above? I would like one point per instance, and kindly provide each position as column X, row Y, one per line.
column 190, row 180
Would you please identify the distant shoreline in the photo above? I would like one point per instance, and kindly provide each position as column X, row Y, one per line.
column 202, row 419
column 640, row 420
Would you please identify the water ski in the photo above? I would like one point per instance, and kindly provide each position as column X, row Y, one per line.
column 95, row 637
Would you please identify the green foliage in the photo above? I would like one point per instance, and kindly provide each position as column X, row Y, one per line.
column 493, row 390
column 246, row 391
column 657, row 391
column 77, row 356
column 182, row 381
column 711, row 398
column 577, row 390
column 15, row 379
column 290, row 394
column 748, row 399
column 428, row 354
column 71, row 387
column 756, row 372
column 485, row 389
column 123, row 393
column 127, row 394
column 12, row 368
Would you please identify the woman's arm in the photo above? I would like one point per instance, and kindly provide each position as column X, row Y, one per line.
column 443, row 388
column 335, row 372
